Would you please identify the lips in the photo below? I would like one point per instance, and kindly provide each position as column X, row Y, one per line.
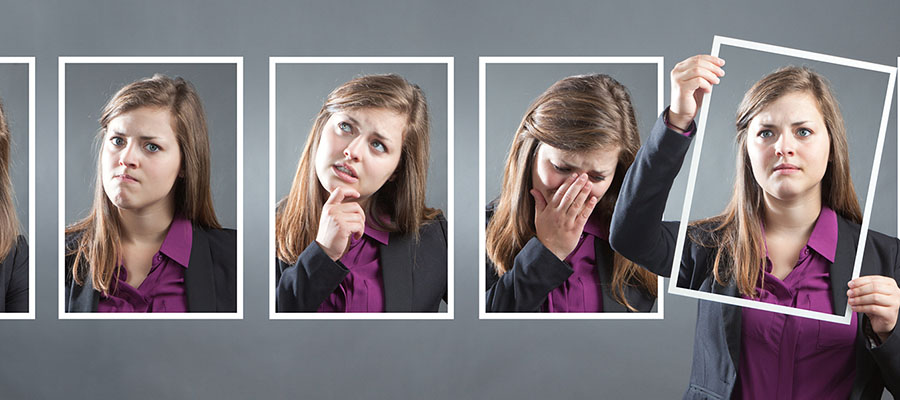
column 786, row 168
column 345, row 172
column 125, row 177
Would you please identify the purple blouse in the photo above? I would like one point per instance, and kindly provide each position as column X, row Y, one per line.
column 362, row 290
column 163, row 288
column 787, row 357
column 582, row 291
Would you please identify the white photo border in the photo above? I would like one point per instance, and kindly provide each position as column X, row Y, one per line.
column 719, row 41
column 29, row 61
column 482, row 202
column 239, row 170
column 449, row 315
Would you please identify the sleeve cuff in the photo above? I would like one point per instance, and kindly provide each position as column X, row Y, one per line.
column 691, row 129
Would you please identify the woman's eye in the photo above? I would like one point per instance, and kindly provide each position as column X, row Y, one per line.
column 561, row 169
column 117, row 141
column 378, row 146
column 765, row 134
column 803, row 132
column 152, row 147
column 345, row 127
column 597, row 178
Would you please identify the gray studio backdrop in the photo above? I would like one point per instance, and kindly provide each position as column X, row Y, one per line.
column 90, row 86
column 465, row 358
column 303, row 88
column 14, row 97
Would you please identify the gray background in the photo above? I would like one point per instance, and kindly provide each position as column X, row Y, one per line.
column 463, row 358
column 14, row 96
column 90, row 86
column 303, row 88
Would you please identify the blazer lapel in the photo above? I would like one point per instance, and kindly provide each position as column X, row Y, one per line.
column 842, row 269
column 732, row 320
column 199, row 283
column 603, row 259
column 397, row 260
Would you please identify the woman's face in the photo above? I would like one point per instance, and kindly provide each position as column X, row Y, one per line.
column 140, row 159
column 360, row 149
column 788, row 145
column 552, row 166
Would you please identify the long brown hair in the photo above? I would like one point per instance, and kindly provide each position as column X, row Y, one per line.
column 402, row 198
column 737, row 231
column 9, row 221
column 99, row 242
column 578, row 113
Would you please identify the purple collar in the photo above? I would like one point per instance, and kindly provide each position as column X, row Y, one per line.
column 823, row 238
column 380, row 236
column 177, row 244
column 596, row 227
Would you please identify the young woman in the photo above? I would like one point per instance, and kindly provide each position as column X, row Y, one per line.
column 13, row 247
column 353, row 234
column 151, row 242
column 547, row 233
column 788, row 237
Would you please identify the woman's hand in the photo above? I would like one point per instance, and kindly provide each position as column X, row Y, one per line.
column 879, row 298
column 691, row 79
column 560, row 222
column 339, row 220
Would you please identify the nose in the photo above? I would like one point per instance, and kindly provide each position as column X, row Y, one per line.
column 127, row 156
column 354, row 149
column 785, row 145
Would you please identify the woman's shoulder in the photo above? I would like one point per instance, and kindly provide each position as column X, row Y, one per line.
column 219, row 236
column 73, row 238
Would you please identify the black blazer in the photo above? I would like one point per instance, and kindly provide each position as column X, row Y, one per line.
column 14, row 278
column 638, row 234
column 537, row 271
column 414, row 272
column 210, row 281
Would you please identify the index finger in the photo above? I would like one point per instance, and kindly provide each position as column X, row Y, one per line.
column 708, row 58
column 340, row 193
column 867, row 280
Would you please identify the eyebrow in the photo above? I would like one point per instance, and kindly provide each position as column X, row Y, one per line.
column 378, row 135
column 595, row 172
column 117, row 133
column 792, row 124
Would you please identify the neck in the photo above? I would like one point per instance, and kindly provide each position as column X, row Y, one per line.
column 148, row 225
column 796, row 215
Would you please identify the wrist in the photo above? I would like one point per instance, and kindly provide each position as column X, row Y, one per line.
column 328, row 251
column 680, row 123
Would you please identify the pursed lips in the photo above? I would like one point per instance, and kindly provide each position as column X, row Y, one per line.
column 786, row 168
column 125, row 178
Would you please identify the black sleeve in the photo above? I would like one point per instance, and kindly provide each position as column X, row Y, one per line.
column 17, row 290
column 637, row 231
column 303, row 286
column 887, row 354
column 535, row 273
column 442, row 221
